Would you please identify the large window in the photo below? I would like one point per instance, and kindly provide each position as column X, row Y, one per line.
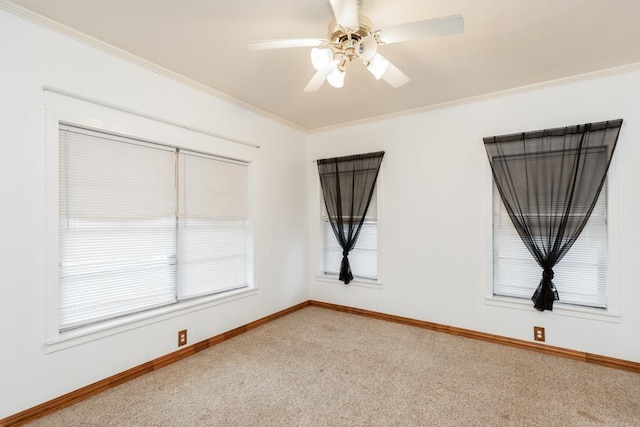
column 143, row 225
column 364, row 256
column 580, row 277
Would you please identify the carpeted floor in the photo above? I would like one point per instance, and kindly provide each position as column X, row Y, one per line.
column 318, row 367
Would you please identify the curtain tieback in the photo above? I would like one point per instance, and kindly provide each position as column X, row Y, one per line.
column 345, row 253
column 546, row 292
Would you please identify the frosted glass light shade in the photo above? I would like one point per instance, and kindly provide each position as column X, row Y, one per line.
column 320, row 58
column 367, row 48
column 336, row 78
column 378, row 66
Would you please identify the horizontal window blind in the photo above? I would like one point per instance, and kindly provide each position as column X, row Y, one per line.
column 214, row 225
column 580, row 277
column 117, row 226
column 363, row 257
column 144, row 225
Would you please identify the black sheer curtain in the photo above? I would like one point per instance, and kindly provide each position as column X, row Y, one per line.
column 549, row 182
column 347, row 186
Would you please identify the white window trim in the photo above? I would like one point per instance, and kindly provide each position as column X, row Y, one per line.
column 609, row 314
column 94, row 332
column 81, row 113
column 357, row 281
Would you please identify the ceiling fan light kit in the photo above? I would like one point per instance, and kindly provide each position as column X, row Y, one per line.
column 336, row 78
column 351, row 38
column 320, row 57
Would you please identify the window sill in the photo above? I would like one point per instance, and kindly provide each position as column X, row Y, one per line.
column 559, row 309
column 358, row 282
column 98, row 331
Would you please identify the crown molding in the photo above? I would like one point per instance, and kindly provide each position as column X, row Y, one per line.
column 43, row 21
column 564, row 81
column 48, row 23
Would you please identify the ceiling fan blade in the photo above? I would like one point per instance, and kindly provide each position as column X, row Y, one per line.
column 320, row 76
column 445, row 26
column 346, row 13
column 283, row 43
column 394, row 76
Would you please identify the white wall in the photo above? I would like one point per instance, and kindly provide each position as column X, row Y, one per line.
column 32, row 56
column 435, row 231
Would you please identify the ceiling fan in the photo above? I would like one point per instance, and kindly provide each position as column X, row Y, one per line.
column 351, row 37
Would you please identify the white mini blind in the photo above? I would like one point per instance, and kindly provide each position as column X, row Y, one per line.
column 363, row 258
column 580, row 277
column 143, row 225
column 214, row 225
column 117, row 226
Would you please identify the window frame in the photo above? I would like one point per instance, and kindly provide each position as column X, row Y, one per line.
column 609, row 314
column 104, row 119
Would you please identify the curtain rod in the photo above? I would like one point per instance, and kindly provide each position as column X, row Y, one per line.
column 63, row 92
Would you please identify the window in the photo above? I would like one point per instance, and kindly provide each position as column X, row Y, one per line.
column 364, row 256
column 143, row 225
column 550, row 181
column 580, row 277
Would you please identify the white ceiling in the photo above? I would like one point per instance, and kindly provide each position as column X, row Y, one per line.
column 506, row 44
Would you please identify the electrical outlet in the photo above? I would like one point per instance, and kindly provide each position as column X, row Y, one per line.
column 538, row 333
column 182, row 337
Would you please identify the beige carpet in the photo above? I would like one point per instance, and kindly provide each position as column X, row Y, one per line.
column 318, row 367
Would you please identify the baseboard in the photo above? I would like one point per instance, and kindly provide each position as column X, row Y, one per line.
column 610, row 362
column 100, row 386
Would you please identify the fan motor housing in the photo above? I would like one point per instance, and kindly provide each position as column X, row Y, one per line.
column 348, row 40
column 338, row 34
